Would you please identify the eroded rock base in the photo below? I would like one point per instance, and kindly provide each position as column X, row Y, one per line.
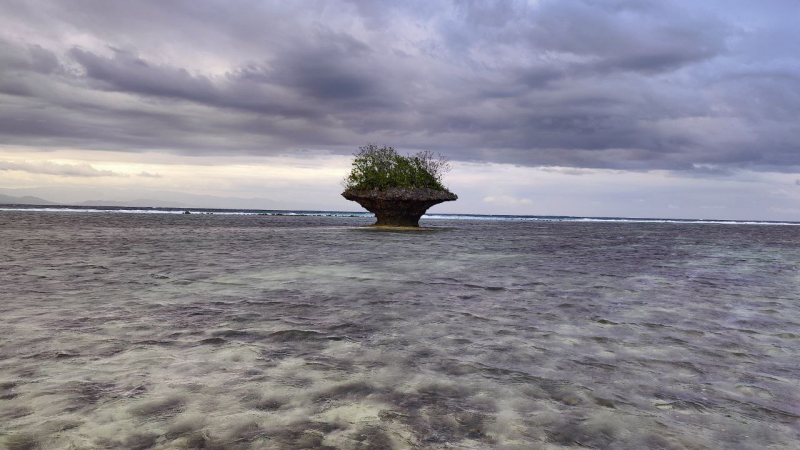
column 398, row 207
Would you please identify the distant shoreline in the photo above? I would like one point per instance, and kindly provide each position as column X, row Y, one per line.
column 356, row 214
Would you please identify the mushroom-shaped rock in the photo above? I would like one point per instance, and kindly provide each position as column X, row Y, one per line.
column 398, row 207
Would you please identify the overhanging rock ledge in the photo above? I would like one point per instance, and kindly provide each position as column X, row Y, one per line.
column 398, row 207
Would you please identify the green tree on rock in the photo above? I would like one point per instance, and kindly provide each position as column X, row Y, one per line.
column 382, row 168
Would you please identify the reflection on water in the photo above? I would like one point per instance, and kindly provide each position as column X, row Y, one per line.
column 161, row 331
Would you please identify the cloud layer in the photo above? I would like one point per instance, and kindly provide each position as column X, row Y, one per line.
column 52, row 168
column 621, row 84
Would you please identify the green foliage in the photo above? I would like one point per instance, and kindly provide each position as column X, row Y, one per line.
column 383, row 168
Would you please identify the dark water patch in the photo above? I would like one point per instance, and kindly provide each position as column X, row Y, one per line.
column 655, row 326
column 670, row 340
column 517, row 377
column 352, row 329
column 270, row 404
column 15, row 412
column 676, row 367
column 244, row 433
column 475, row 317
column 151, row 342
column 566, row 396
column 747, row 331
column 403, row 401
column 755, row 391
column 140, row 441
column 683, row 405
column 160, row 408
column 387, row 415
column 88, row 393
column 372, row 438
column 57, row 354
column 329, row 364
column 591, row 362
column 273, row 356
column 380, row 302
column 576, row 431
column 441, row 424
column 604, row 402
column 296, row 382
column 439, row 414
column 486, row 288
column 182, row 428
column 743, row 355
column 424, row 353
column 355, row 390
column 27, row 372
column 201, row 440
column 300, row 435
column 788, row 335
column 60, row 425
column 257, row 400
column 240, row 335
column 457, row 368
column 440, row 392
column 293, row 335
column 253, row 374
column 213, row 341
column 605, row 322
column 67, row 354
column 246, row 318
column 22, row 441
column 758, row 411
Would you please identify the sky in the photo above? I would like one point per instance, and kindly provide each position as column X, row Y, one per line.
column 680, row 109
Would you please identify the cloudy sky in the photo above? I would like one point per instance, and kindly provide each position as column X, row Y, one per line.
column 580, row 107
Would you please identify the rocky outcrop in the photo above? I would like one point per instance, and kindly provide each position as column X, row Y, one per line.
column 398, row 207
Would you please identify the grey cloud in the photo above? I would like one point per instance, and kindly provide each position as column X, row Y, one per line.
column 19, row 62
column 25, row 58
column 127, row 72
column 130, row 73
column 623, row 84
column 638, row 36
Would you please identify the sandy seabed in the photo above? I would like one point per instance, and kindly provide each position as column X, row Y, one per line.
column 246, row 332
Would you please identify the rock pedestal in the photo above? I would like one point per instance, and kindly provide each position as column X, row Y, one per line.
column 398, row 207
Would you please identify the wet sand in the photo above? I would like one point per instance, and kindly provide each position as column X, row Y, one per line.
column 237, row 332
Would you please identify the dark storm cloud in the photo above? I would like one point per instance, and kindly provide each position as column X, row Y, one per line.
column 619, row 84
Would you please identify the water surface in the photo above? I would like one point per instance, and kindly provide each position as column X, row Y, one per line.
column 244, row 331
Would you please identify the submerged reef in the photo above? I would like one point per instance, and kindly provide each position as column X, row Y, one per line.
column 398, row 207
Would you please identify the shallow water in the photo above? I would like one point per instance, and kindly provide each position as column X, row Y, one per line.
column 209, row 331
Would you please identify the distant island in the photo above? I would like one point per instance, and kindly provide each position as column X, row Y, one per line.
column 25, row 200
column 397, row 189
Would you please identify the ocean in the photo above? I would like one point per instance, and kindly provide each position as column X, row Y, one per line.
column 125, row 328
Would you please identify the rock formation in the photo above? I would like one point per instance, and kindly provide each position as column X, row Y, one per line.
column 398, row 207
